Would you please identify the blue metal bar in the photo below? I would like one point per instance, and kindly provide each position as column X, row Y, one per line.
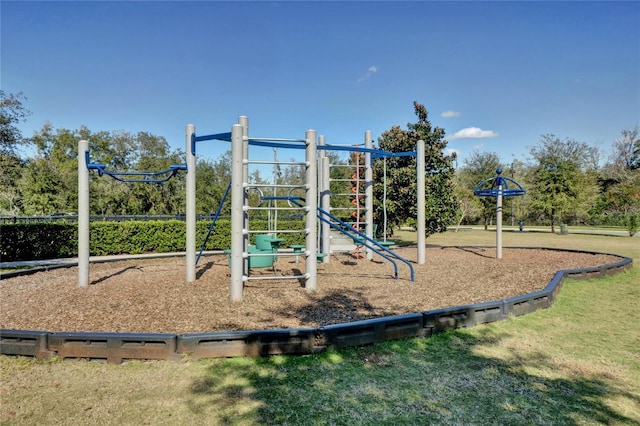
column 291, row 144
column 172, row 168
column 218, row 136
column 117, row 177
column 213, row 222
column 257, row 139
column 149, row 176
column 276, row 144
column 373, row 151
column 366, row 241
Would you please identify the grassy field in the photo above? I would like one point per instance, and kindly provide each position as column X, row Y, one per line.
column 577, row 363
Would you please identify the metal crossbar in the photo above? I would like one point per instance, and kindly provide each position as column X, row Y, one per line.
column 275, row 277
column 279, row 231
column 148, row 177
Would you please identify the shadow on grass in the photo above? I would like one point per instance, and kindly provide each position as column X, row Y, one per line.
column 441, row 380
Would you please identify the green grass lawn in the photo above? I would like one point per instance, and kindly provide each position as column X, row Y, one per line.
column 577, row 363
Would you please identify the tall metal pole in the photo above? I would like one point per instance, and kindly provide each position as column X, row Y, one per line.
column 512, row 217
column 276, row 176
column 237, row 213
column 325, row 201
column 499, row 222
column 384, row 197
column 83, row 214
column 311, row 223
column 190, row 209
column 368, row 190
column 421, row 202
column 244, row 121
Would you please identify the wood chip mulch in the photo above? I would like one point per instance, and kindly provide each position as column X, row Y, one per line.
column 151, row 296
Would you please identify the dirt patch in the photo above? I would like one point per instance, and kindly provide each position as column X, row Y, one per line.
column 151, row 296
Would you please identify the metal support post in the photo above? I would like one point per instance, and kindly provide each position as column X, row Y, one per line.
column 190, row 209
column 83, row 214
column 499, row 223
column 311, row 222
column 368, row 190
column 243, row 120
column 237, row 214
column 421, row 202
column 325, row 201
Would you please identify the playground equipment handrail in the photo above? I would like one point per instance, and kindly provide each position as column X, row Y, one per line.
column 350, row 231
column 370, row 243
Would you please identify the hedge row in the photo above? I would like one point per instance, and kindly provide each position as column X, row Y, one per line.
column 33, row 241
column 38, row 241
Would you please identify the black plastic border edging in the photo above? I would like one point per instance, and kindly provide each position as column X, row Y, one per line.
column 29, row 271
column 116, row 347
column 72, row 263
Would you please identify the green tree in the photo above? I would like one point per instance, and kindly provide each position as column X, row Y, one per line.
column 401, row 182
column 10, row 199
column 620, row 179
column 477, row 167
column 116, row 151
column 627, row 149
column 152, row 154
column 560, row 178
column 469, row 206
column 212, row 180
column 49, row 181
column 12, row 112
column 41, row 187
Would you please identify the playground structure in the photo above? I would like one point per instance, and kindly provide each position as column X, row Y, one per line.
column 498, row 186
column 84, row 167
column 315, row 204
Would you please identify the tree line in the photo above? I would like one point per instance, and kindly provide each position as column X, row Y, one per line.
column 565, row 180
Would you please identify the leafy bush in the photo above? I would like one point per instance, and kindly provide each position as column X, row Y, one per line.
column 33, row 241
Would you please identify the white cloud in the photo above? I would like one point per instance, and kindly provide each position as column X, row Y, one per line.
column 449, row 151
column 370, row 71
column 450, row 114
column 473, row 133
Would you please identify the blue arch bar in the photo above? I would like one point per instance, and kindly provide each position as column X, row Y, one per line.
column 499, row 181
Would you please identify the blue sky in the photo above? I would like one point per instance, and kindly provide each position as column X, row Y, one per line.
column 494, row 75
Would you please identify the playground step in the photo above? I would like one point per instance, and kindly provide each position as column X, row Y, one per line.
column 340, row 242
